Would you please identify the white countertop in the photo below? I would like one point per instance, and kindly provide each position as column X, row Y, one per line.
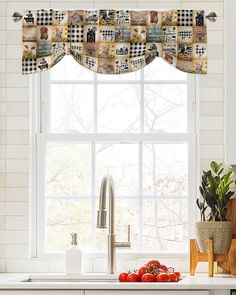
column 83, row 282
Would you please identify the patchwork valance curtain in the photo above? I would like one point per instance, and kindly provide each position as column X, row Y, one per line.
column 114, row 41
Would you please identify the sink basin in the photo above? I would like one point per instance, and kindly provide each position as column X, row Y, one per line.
column 85, row 278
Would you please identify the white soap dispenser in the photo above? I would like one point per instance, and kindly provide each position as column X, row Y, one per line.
column 73, row 257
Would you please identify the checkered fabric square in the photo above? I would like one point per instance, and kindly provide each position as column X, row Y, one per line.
column 44, row 17
column 59, row 15
column 137, row 49
column 185, row 17
column 75, row 33
column 28, row 66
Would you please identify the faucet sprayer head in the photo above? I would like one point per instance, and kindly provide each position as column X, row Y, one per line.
column 102, row 219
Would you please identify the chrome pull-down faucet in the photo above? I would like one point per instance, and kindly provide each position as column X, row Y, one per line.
column 108, row 185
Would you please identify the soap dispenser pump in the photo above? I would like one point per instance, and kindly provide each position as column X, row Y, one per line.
column 73, row 257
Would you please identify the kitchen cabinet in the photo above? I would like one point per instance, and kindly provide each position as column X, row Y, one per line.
column 156, row 292
column 42, row 292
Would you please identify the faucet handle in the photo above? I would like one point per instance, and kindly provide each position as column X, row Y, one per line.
column 124, row 244
column 129, row 231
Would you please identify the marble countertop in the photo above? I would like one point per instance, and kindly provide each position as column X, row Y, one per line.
column 109, row 282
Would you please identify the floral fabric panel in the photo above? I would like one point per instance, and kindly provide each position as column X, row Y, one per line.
column 114, row 41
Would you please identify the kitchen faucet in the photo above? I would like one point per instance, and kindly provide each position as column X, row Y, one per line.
column 108, row 185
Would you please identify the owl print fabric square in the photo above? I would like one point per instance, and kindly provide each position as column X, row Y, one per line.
column 109, row 41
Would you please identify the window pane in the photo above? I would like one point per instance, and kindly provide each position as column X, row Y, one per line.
column 161, row 70
column 166, row 225
column 118, row 108
column 165, row 108
column 65, row 217
column 72, row 108
column 120, row 161
column 126, row 212
column 68, row 169
column 69, row 69
column 165, row 169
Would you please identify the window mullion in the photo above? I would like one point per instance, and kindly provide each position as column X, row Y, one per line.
column 141, row 219
column 93, row 188
column 95, row 107
column 142, row 101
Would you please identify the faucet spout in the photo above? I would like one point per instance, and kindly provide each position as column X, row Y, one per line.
column 107, row 185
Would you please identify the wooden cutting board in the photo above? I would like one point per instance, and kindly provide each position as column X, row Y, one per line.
column 230, row 264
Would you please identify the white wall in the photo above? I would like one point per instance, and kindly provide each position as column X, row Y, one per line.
column 14, row 121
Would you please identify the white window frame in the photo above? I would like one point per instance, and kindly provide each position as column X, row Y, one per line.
column 39, row 140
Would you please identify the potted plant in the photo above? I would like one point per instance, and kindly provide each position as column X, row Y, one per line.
column 215, row 194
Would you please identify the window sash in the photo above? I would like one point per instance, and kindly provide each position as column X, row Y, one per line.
column 41, row 137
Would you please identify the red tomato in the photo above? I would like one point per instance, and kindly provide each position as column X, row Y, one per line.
column 153, row 263
column 173, row 277
column 163, row 267
column 123, row 277
column 133, row 277
column 142, row 271
column 148, row 277
column 178, row 274
column 163, row 277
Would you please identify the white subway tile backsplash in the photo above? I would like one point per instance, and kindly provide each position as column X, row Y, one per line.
column 17, row 251
column 3, row 36
column 14, row 65
column 211, row 81
column 17, row 180
column 15, row 237
column 14, row 51
column 2, row 222
column 2, row 151
column 3, row 66
column 17, row 208
column 3, row 80
column 3, row 123
column 211, row 137
column 2, row 166
column 212, row 123
column 17, row 94
column 2, row 137
column 17, row 152
column 17, row 194
column 3, row 22
column 215, row 66
column 17, row 108
column 16, row 80
column 2, row 194
column 17, row 123
column 17, row 137
column 3, row 51
column 3, row 107
column 212, row 108
column 29, row 265
column 212, row 151
column 3, row 7
column 17, row 166
column 14, row 37
column 211, row 94
column 21, row 6
column 17, row 223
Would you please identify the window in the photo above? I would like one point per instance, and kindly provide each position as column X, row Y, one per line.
column 137, row 127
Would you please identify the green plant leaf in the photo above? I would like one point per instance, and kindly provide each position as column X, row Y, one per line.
column 214, row 167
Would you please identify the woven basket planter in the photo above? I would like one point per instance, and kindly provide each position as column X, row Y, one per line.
column 219, row 231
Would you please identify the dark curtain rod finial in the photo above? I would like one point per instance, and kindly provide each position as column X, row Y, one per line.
column 16, row 17
column 212, row 16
